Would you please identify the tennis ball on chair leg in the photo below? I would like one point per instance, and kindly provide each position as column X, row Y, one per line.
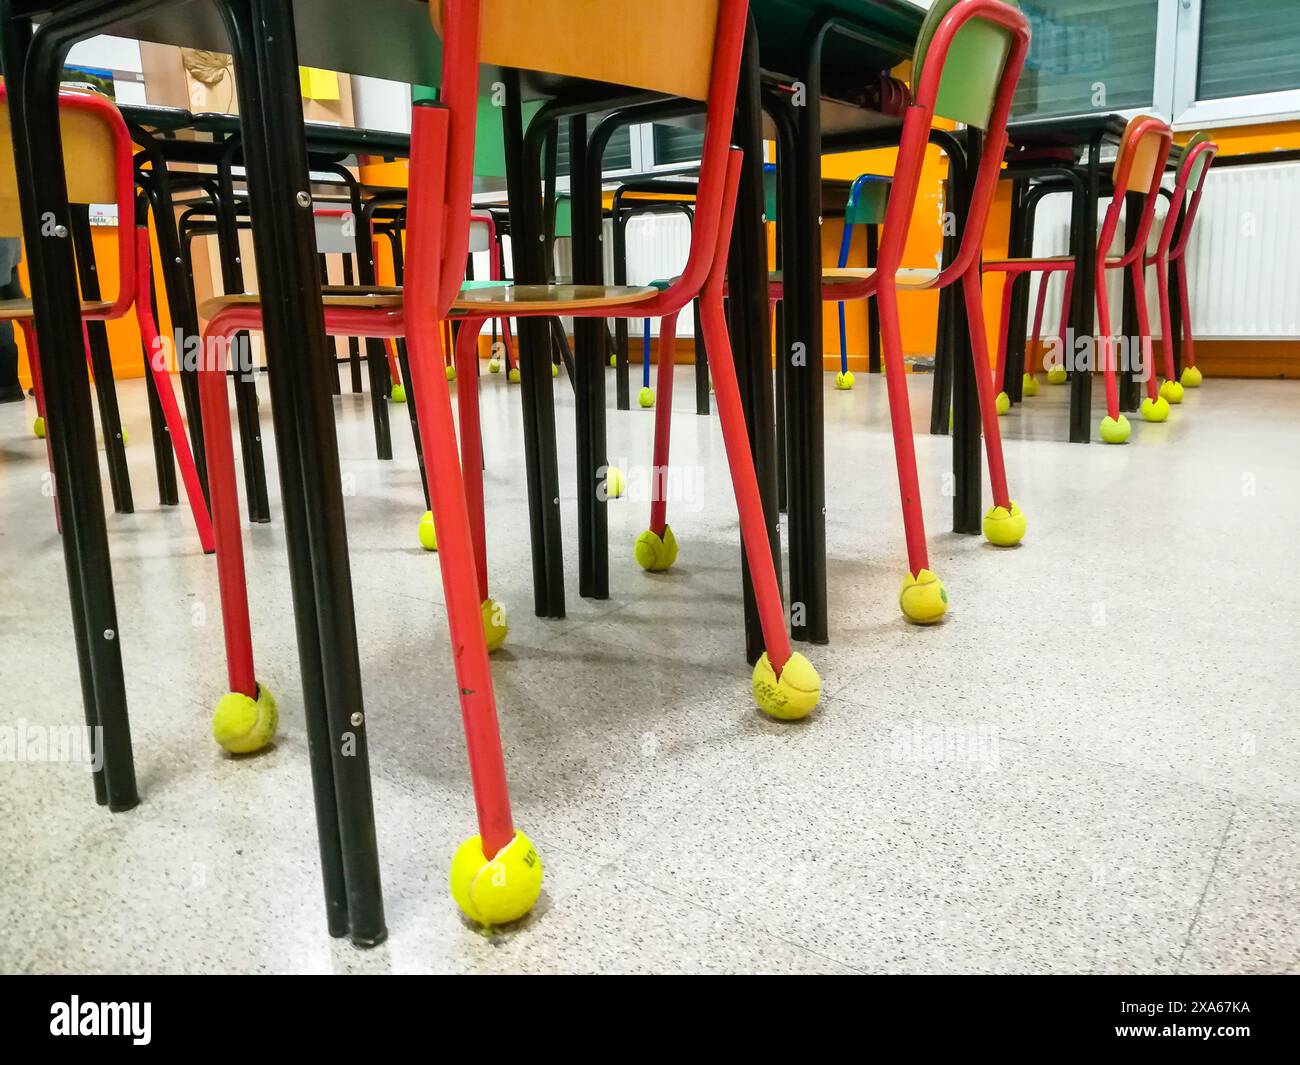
column 451, row 372
column 923, row 598
column 791, row 696
column 1002, row 404
column 498, row 891
column 496, row 626
column 1029, row 385
column 646, row 397
column 1115, row 430
column 1192, row 377
column 513, row 375
column 427, row 533
column 1005, row 527
column 1057, row 375
column 494, row 365
column 38, row 428
column 398, row 393
column 555, row 370
column 1171, row 391
column 1157, row 411
column 844, row 381
column 243, row 725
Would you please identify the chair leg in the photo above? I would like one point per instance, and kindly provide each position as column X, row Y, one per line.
column 785, row 684
column 496, row 876
column 656, row 548
column 923, row 598
column 1155, row 408
column 1115, row 428
column 1004, row 524
column 1192, row 376
column 495, row 623
column 1056, row 374
column 1004, row 329
column 1171, row 389
column 245, row 718
column 180, row 440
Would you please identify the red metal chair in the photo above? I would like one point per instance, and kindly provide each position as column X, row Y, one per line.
column 968, row 60
column 1198, row 156
column 1139, row 167
column 96, row 140
column 686, row 48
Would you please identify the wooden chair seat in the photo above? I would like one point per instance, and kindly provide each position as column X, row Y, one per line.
column 908, row 277
column 493, row 298
column 17, row 310
column 498, row 300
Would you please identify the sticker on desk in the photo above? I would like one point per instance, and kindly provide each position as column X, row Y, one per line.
column 336, row 231
column 103, row 214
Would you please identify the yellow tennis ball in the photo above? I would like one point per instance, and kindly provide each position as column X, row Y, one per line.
column 499, row 891
column 1057, row 375
column 496, row 625
column 1029, row 385
column 791, row 696
column 615, row 483
column 1002, row 404
column 38, row 427
column 243, row 725
column 844, row 381
column 494, row 365
column 923, row 598
column 451, row 372
column 646, row 397
column 513, row 375
column 428, row 534
column 555, row 370
column 398, row 393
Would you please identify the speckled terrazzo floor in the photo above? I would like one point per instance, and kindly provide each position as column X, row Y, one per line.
column 1092, row 766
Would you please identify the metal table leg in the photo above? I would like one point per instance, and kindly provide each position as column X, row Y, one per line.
column 36, row 61
column 1085, row 299
column 266, row 64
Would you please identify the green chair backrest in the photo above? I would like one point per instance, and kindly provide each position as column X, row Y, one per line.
column 1198, row 164
column 872, row 201
column 973, row 69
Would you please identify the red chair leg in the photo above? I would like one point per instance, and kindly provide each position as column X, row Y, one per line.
column 1166, row 323
column 461, row 589
column 1115, row 428
column 744, row 482
column 175, row 426
column 663, row 425
column 1192, row 380
column 984, row 387
column 1039, row 307
column 656, row 548
column 215, row 406
column 1155, row 408
column 471, row 441
column 1004, row 329
column 1063, row 326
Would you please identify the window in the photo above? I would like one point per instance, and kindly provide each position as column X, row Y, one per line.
column 1237, row 60
column 677, row 144
column 1088, row 55
column 1199, row 62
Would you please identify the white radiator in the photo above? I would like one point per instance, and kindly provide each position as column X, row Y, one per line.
column 1243, row 260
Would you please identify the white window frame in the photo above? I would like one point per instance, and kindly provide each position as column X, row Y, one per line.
column 1190, row 113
